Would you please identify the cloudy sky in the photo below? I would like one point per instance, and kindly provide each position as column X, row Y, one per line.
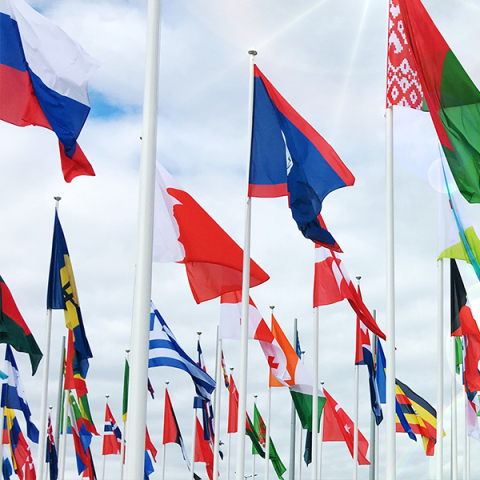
column 328, row 59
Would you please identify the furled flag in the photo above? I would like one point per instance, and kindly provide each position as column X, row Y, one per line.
column 185, row 233
column 126, row 378
column 203, row 451
column 13, row 329
column 463, row 324
column 363, row 356
column 332, row 284
column 224, row 370
column 164, row 350
column 420, row 415
column 149, row 447
column 232, row 426
column 13, row 395
column 81, row 436
column 19, row 449
column 288, row 157
column 230, row 320
column 457, row 237
column 62, row 294
column 261, row 431
column 338, row 427
column 206, row 406
column 452, row 98
column 43, row 80
column 112, row 436
column 51, row 457
column 171, row 430
column 253, row 435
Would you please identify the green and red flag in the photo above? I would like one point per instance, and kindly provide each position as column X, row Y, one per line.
column 452, row 98
column 14, row 330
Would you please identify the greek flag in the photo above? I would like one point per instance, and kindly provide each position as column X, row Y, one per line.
column 164, row 350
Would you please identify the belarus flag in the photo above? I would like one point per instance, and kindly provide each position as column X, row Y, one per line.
column 185, row 233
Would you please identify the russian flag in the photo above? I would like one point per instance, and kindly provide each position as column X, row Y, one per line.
column 289, row 157
column 43, row 80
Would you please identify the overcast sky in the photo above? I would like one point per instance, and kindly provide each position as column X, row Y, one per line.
column 328, row 59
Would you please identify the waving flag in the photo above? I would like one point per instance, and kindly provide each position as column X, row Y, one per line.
column 332, row 284
column 338, row 427
column 171, row 430
column 112, row 436
column 43, row 80
column 185, row 233
column 81, row 436
column 13, row 395
column 165, row 351
column 452, row 98
column 203, row 450
column 13, row 329
column 289, row 157
column 62, row 294
column 51, row 454
column 232, row 426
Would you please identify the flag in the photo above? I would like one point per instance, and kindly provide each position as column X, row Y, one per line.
column 457, row 237
column 62, row 294
column 13, row 395
column 230, row 320
column 420, row 415
column 471, row 412
column 224, row 370
column 112, row 436
column 19, row 449
column 171, row 430
column 203, row 451
column 74, row 380
column 232, row 426
column 463, row 324
column 51, row 452
column 185, row 233
column 7, row 469
column 332, row 284
column 451, row 96
column 90, row 470
column 338, row 427
column 126, row 376
column 380, row 370
column 288, row 157
column 149, row 445
column 13, row 329
column 206, row 406
column 261, row 431
column 253, row 435
column 43, row 78
column 363, row 356
column 164, row 350
column 81, row 436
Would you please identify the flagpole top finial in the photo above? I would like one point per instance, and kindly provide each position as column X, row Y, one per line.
column 106, row 396
column 50, row 407
column 231, row 369
column 272, row 307
column 127, row 350
column 57, row 198
column 252, row 52
column 358, row 277
column 166, row 383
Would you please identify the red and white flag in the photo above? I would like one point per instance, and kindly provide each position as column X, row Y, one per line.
column 332, row 284
column 112, row 437
column 185, row 233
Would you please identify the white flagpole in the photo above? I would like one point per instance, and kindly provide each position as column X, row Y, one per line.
column 253, row 453
column 373, row 423
column 291, row 470
column 320, row 447
column 137, row 395
column 62, row 447
column 218, row 396
column 46, row 366
column 454, row 472
column 242, row 390
column 355, row 401
column 104, row 456
column 315, row 397
column 440, row 355
column 229, row 447
column 267, row 440
column 467, row 477
column 390, row 280
column 60, row 395
column 124, row 434
column 194, row 438
column 164, row 445
column 300, row 455
column 465, row 436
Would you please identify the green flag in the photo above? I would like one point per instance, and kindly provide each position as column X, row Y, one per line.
column 126, row 377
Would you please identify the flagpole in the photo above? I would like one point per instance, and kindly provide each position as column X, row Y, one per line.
column 355, row 417
column 320, row 449
column 164, row 445
column 62, row 447
column 194, row 426
column 253, row 453
column 242, row 390
column 465, row 437
column 124, row 435
column 291, row 472
column 218, row 397
column 440, row 355
column 301, row 436
column 137, row 396
column 373, row 423
column 104, row 456
column 454, row 466
column 315, row 397
column 229, row 447
column 46, row 367
column 269, row 404
column 60, row 394
column 390, row 311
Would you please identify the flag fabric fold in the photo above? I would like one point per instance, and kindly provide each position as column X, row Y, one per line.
column 185, row 233
column 164, row 350
column 112, row 436
column 203, row 451
column 43, row 80
column 288, row 157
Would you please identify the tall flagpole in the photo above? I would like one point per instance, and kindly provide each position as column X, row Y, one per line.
column 62, row 447
column 194, row 438
column 242, row 390
column 269, row 409
column 164, row 445
column 355, row 418
column 43, row 402
column 320, row 446
column 253, row 453
column 218, row 391
column 390, row 281
column 291, row 470
column 440, row 356
column 373, row 423
column 137, row 395
column 454, row 464
column 315, row 397
column 124, row 419
column 229, row 447
column 60, row 394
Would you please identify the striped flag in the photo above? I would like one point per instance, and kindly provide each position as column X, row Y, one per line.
column 112, row 436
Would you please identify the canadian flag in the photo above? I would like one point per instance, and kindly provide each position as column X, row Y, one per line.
column 185, row 233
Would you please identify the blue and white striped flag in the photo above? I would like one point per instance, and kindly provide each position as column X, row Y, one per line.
column 165, row 351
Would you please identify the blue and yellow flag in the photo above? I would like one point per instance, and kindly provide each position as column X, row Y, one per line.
column 62, row 294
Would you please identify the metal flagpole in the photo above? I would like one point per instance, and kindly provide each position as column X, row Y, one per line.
column 124, row 434
column 253, row 453
column 291, row 470
column 218, row 391
column 315, row 397
column 355, row 401
column 390, row 280
column 58, row 420
column 242, row 390
column 269, row 404
column 440, row 355
column 164, row 445
column 194, row 438
column 465, row 437
column 373, row 423
column 320, row 446
column 62, row 447
column 454, row 473
column 137, row 395
column 46, row 366
column 229, row 447
column 104, row 456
